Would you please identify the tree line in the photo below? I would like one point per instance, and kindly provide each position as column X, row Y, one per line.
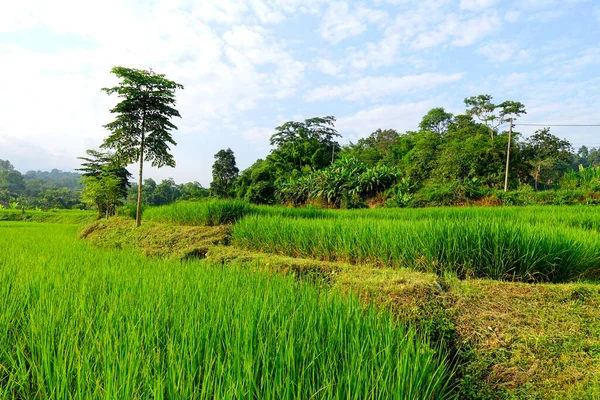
column 58, row 189
column 448, row 159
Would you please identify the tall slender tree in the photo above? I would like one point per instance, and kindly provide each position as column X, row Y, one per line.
column 225, row 172
column 142, row 129
column 493, row 115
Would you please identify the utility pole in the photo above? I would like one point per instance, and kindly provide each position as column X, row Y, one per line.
column 508, row 156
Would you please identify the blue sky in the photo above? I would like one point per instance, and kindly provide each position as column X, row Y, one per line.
column 248, row 66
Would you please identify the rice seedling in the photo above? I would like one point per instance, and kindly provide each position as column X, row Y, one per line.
column 83, row 322
column 53, row 216
column 467, row 247
column 215, row 212
column 210, row 212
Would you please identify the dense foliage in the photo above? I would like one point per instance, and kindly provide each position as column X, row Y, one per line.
column 43, row 189
column 451, row 159
column 225, row 173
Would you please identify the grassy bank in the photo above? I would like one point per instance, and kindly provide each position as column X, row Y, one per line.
column 77, row 321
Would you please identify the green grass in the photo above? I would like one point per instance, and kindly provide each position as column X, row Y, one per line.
column 479, row 247
column 210, row 212
column 216, row 212
column 82, row 322
column 53, row 216
column 219, row 212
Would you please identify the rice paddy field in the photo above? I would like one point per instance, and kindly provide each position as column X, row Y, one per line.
column 83, row 322
column 476, row 303
column 530, row 244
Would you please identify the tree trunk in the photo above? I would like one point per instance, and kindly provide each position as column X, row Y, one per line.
column 537, row 175
column 507, row 157
column 138, row 213
column 107, row 207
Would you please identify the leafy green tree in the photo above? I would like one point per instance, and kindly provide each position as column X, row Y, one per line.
column 301, row 147
column 192, row 191
column 142, row 129
column 418, row 153
column 165, row 192
column 436, row 120
column 224, row 172
column 256, row 184
column 586, row 157
column 12, row 181
column 103, row 190
column 148, row 189
column 5, row 165
column 548, row 155
column 101, row 164
column 493, row 115
column 375, row 148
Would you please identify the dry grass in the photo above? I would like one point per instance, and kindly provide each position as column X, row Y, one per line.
column 531, row 341
column 156, row 240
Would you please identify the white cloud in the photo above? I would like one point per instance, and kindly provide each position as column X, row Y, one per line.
column 401, row 117
column 225, row 72
column 258, row 135
column 476, row 5
column 515, row 79
column 340, row 22
column 470, row 31
column 497, row 51
column 328, row 67
column 512, row 16
column 381, row 86
column 428, row 25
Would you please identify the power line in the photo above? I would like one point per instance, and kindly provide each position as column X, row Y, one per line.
column 558, row 124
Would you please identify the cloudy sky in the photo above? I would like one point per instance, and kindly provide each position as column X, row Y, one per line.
column 249, row 65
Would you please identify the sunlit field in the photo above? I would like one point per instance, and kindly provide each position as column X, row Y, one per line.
column 531, row 244
column 81, row 322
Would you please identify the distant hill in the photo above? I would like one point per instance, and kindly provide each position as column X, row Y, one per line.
column 55, row 179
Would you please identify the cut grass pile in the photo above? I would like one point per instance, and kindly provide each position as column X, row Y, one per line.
column 83, row 322
column 154, row 239
column 467, row 247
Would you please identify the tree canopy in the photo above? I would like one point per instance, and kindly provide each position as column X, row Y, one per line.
column 142, row 128
column 225, row 173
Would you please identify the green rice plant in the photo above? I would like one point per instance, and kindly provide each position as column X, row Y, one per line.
column 85, row 323
column 469, row 248
column 294, row 212
column 210, row 212
column 59, row 216
column 129, row 210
